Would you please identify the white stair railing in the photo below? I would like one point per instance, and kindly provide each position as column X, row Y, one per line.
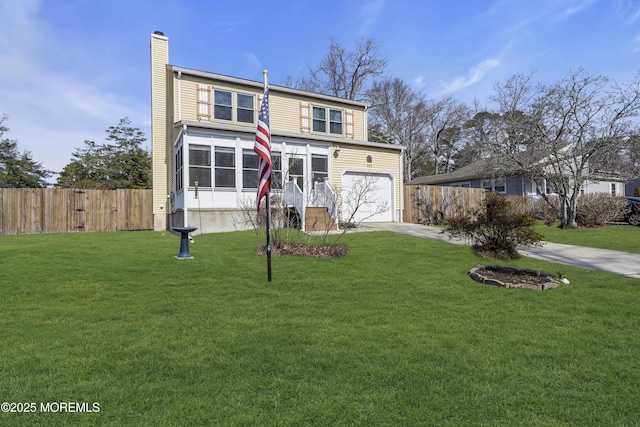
column 293, row 197
column 323, row 195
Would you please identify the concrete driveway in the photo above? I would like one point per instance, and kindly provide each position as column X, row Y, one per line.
column 623, row 263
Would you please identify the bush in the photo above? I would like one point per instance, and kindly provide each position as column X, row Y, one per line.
column 598, row 209
column 537, row 207
column 496, row 230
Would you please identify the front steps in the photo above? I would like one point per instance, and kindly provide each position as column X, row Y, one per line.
column 319, row 219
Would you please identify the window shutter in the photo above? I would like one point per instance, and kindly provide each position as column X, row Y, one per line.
column 348, row 120
column 204, row 106
column 305, row 117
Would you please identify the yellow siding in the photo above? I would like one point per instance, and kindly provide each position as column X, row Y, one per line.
column 175, row 99
column 359, row 125
column 159, row 60
column 284, row 107
column 354, row 158
column 284, row 113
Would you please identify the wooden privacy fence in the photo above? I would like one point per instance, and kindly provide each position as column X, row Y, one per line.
column 431, row 204
column 47, row 210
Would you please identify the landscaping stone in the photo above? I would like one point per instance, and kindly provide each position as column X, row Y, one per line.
column 511, row 277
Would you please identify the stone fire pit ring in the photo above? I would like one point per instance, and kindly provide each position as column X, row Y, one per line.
column 511, row 277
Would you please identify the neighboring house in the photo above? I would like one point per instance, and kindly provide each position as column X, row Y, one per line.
column 486, row 174
column 205, row 170
column 630, row 188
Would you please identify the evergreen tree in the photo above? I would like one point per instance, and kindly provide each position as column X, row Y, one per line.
column 18, row 170
column 121, row 162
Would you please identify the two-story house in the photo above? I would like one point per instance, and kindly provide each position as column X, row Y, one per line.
column 205, row 170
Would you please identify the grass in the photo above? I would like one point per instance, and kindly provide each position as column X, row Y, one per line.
column 395, row 333
column 624, row 238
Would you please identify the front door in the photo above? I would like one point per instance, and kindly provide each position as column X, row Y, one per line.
column 296, row 171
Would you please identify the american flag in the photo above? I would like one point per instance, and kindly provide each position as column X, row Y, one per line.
column 262, row 148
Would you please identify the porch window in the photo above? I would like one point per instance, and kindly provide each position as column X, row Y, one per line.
column 276, row 162
column 319, row 168
column 178, row 169
column 222, row 105
column 199, row 165
column 225, row 167
column 250, row 169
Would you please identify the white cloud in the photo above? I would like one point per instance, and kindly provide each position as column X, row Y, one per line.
column 474, row 75
column 52, row 111
column 254, row 62
column 576, row 6
column 369, row 13
column 418, row 82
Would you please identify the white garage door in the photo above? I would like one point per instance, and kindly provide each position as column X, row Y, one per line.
column 369, row 195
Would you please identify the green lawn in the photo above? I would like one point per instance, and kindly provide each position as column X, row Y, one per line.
column 624, row 238
column 395, row 333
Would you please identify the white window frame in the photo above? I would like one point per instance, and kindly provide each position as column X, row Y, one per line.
column 234, row 106
column 327, row 121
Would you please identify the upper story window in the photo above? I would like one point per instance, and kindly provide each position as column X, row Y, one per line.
column 232, row 106
column 335, row 120
column 319, row 119
column 245, row 108
column 222, row 108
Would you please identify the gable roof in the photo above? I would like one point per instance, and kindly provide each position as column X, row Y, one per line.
column 481, row 169
column 272, row 87
column 490, row 169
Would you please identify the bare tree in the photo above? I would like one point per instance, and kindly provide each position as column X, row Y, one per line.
column 344, row 73
column 571, row 124
column 401, row 115
column 445, row 118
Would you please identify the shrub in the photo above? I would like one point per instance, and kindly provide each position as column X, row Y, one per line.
column 536, row 207
column 523, row 204
column 598, row 209
column 496, row 230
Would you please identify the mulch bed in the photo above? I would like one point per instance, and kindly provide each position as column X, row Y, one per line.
column 306, row 249
column 511, row 277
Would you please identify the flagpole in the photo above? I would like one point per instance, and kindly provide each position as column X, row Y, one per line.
column 266, row 86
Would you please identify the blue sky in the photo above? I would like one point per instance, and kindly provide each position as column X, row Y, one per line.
column 71, row 68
